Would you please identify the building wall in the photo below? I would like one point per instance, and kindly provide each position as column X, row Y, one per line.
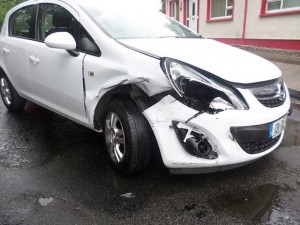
column 223, row 29
column 181, row 11
column 285, row 27
column 276, row 31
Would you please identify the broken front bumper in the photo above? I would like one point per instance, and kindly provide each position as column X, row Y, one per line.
column 221, row 130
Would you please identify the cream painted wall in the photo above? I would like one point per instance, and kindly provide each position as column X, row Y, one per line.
column 167, row 7
column 286, row 27
column 276, row 27
column 220, row 29
column 181, row 8
column 223, row 29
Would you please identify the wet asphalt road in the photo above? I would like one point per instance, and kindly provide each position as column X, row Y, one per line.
column 44, row 157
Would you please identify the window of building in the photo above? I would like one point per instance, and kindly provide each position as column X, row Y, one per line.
column 280, row 7
column 20, row 23
column 220, row 10
column 174, row 10
column 282, row 4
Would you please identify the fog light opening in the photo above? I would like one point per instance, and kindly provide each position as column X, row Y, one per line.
column 194, row 142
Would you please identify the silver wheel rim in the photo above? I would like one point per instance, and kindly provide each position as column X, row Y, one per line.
column 115, row 137
column 5, row 91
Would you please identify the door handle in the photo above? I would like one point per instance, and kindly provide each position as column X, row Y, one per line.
column 6, row 51
column 34, row 59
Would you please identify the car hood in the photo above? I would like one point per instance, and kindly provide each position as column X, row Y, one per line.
column 225, row 61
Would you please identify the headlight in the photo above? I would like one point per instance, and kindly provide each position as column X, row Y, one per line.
column 183, row 78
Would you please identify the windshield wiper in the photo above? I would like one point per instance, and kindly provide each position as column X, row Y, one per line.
column 169, row 37
column 196, row 36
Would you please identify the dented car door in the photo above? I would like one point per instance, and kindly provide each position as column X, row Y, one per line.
column 56, row 75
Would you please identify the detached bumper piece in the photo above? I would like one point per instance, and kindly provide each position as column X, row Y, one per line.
column 254, row 139
column 194, row 142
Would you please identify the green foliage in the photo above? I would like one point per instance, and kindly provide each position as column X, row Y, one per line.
column 6, row 5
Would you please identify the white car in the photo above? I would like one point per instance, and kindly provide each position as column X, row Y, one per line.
column 137, row 74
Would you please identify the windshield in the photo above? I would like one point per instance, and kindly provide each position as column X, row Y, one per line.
column 124, row 24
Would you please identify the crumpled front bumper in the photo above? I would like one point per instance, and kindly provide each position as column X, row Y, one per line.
column 216, row 128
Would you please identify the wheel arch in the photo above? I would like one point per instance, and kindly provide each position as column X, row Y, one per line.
column 128, row 91
column 2, row 72
column 13, row 101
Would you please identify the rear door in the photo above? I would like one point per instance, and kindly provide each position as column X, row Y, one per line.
column 17, row 35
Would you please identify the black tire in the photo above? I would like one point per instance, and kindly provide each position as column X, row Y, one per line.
column 136, row 137
column 11, row 99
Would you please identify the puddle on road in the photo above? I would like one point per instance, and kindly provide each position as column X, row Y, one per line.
column 251, row 205
column 261, row 205
column 292, row 134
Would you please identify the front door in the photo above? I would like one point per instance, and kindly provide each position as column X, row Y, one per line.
column 192, row 14
column 56, row 75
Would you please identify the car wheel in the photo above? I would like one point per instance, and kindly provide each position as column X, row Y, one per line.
column 10, row 97
column 127, row 137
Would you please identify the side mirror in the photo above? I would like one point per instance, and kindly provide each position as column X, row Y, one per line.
column 61, row 40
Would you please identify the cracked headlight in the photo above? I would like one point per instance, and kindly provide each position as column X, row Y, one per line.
column 188, row 82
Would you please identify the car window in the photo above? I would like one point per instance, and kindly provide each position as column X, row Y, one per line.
column 131, row 23
column 20, row 23
column 86, row 43
column 54, row 18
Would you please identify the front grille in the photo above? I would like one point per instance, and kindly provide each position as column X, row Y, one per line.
column 271, row 94
column 254, row 139
column 272, row 103
column 259, row 146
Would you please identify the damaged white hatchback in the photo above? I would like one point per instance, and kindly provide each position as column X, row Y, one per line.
column 135, row 75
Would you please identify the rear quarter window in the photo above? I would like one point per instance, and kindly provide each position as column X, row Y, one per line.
column 20, row 23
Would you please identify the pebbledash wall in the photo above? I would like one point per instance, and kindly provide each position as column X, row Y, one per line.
column 262, row 23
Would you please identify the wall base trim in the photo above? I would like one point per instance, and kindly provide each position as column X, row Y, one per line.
column 267, row 43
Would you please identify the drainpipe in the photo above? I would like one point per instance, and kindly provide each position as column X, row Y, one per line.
column 245, row 22
column 184, row 12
